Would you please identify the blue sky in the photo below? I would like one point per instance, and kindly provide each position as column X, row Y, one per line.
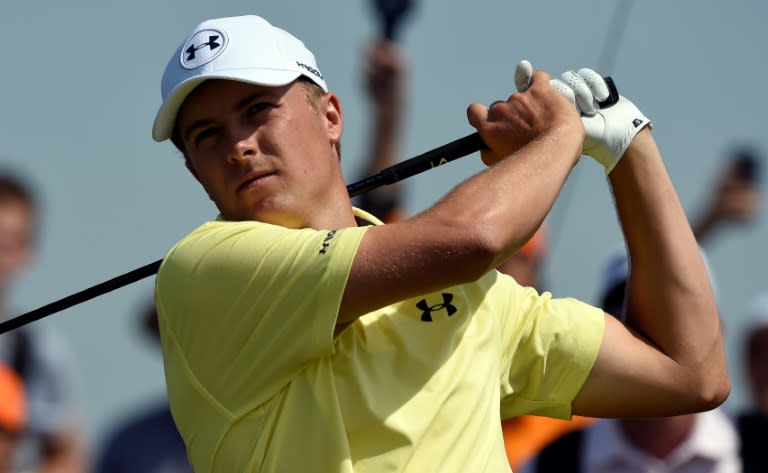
column 81, row 85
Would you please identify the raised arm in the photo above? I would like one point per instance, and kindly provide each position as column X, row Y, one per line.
column 669, row 358
column 483, row 220
column 384, row 84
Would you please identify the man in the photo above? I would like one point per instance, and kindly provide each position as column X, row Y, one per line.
column 296, row 340
column 705, row 442
column 51, row 442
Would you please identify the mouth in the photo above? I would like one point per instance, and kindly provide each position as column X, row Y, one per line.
column 253, row 179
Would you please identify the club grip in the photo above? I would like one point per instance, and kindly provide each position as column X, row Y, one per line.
column 613, row 93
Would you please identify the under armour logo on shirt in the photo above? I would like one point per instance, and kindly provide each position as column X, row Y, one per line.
column 327, row 242
column 427, row 309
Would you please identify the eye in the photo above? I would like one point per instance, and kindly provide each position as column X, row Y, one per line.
column 204, row 134
column 258, row 107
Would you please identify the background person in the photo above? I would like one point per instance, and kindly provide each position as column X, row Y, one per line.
column 384, row 84
column 52, row 440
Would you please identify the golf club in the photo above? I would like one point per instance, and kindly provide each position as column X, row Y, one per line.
column 410, row 167
column 416, row 165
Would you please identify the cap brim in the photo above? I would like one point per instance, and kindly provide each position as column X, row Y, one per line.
column 165, row 120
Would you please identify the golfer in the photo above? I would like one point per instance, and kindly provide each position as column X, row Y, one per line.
column 300, row 334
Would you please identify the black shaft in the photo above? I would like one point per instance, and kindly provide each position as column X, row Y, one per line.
column 418, row 164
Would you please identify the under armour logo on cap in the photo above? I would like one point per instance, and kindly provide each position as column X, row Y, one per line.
column 203, row 47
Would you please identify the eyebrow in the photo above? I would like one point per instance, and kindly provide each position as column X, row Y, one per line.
column 203, row 122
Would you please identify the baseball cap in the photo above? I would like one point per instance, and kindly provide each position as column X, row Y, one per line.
column 241, row 48
column 13, row 406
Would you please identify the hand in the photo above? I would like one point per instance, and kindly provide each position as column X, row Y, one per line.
column 609, row 129
column 537, row 109
column 736, row 198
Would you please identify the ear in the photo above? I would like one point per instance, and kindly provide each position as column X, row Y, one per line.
column 334, row 118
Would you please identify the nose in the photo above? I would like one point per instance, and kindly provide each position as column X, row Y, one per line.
column 243, row 148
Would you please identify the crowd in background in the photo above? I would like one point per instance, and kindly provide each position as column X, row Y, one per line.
column 41, row 430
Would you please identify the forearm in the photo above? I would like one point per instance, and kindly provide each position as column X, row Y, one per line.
column 534, row 139
column 670, row 300
column 509, row 200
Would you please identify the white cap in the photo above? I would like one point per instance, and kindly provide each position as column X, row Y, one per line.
column 242, row 48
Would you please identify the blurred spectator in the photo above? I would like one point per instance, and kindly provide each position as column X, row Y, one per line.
column 51, row 441
column 147, row 442
column 13, row 413
column 737, row 195
column 703, row 442
column 753, row 422
column 383, row 85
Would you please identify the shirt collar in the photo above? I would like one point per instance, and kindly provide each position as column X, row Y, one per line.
column 366, row 217
column 359, row 214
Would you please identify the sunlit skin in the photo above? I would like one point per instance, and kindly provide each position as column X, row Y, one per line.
column 267, row 153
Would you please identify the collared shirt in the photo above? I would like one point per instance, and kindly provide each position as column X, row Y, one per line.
column 712, row 447
column 257, row 381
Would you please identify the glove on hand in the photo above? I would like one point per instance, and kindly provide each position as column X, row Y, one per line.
column 610, row 120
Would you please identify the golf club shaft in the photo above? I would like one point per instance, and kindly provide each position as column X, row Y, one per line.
column 418, row 164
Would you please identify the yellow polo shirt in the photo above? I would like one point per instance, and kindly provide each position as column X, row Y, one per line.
column 257, row 381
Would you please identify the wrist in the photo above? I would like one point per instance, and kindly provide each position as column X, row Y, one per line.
column 569, row 138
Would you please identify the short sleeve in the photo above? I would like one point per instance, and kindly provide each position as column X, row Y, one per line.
column 246, row 305
column 549, row 348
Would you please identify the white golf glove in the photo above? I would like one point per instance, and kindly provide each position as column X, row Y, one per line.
column 610, row 120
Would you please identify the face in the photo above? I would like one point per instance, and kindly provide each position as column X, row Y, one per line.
column 264, row 153
column 15, row 238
